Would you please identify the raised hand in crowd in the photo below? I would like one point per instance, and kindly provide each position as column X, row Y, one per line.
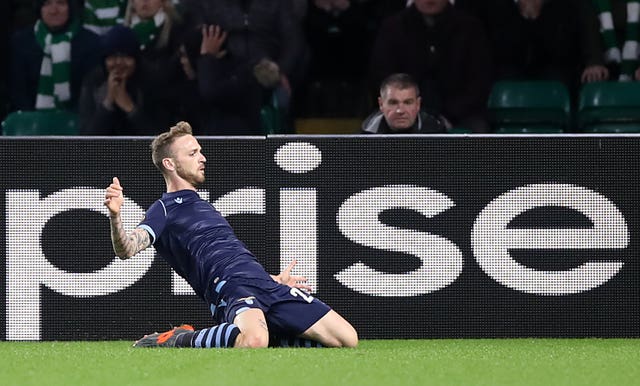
column 213, row 40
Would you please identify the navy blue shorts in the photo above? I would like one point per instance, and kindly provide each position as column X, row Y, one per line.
column 289, row 311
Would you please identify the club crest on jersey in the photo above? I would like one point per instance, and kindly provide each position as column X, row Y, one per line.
column 178, row 200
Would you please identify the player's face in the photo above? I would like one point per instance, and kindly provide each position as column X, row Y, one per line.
column 55, row 13
column 400, row 107
column 189, row 161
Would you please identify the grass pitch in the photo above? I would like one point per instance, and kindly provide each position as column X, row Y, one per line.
column 376, row 362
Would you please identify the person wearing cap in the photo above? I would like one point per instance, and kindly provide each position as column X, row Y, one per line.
column 49, row 59
column 400, row 110
column 113, row 97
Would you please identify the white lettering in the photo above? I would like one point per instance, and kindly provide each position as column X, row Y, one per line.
column 27, row 267
column 298, row 232
column 358, row 220
column 298, row 208
column 491, row 240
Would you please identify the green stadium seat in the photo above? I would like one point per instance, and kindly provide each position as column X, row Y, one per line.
column 534, row 106
column 529, row 129
column 609, row 107
column 459, row 130
column 273, row 118
column 613, row 128
column 41, row 122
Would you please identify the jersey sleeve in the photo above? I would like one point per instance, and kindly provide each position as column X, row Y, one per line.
column 154, row 220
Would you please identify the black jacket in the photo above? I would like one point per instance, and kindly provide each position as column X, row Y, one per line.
column 26, row 59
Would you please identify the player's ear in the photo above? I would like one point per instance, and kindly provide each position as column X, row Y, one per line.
column 168, row 164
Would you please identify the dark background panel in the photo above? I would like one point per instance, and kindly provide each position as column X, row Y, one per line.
column 471, row 171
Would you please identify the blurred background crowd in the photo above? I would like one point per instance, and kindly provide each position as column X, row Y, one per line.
column 250, row 67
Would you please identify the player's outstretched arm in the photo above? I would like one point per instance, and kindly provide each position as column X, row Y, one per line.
column 124, row 244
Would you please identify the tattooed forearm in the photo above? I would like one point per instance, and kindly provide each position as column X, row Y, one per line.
column 126, row 245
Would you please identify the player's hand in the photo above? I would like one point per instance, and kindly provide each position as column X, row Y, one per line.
column 113, row 197
column 285, row 277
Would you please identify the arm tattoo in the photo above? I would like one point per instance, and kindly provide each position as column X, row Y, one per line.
column 126, row 245
column 263, row 324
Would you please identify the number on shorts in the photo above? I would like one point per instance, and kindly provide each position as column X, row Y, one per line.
column 298, row 292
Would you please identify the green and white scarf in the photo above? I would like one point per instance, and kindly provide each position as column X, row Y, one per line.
column 54, row 89
column 100, row 15
column 148, row 30
column 628, row 58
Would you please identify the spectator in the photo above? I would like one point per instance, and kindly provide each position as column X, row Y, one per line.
column 100, row 15
column 229, row 96
column 50, row 59
column 158, row 29
column 543, row 39
column 260, row 31
column 113, row 98
column 400, row 110
column 5, row 18
column 615, row 22
column 22, row 13
column 446, row 51
column 340, row 35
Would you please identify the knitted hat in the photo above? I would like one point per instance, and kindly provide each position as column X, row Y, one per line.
column 120, row 40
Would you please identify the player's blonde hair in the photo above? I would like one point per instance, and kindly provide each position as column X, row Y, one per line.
column 161, row 145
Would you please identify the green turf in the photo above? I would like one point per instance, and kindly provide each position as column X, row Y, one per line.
column 376, row 362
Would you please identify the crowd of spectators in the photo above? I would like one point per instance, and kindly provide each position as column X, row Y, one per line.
column 135, row 67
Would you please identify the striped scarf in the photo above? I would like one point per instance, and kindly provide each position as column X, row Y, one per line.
column 147, row 30
column 628, row 58
column 54, row 89
column 100, row 15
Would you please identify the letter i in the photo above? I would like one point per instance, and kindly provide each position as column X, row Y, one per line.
column 298, row 212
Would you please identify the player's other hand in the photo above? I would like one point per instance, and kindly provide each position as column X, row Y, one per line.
column 285, row 277
column 113, row 197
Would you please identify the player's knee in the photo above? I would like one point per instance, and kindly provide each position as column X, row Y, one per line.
column 349, row 339
column 252, row 340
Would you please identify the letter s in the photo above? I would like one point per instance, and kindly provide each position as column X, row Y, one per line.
column 358, row 220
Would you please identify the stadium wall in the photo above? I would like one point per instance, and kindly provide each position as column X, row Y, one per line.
column 407, row 237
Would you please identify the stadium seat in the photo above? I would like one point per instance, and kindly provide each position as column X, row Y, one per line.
column 612, row 128
column 529, row 129
column 328, row 125
column 41, row 122
column 459, row 130
column 609, row 107
column 529, row 107
column 273, row 118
